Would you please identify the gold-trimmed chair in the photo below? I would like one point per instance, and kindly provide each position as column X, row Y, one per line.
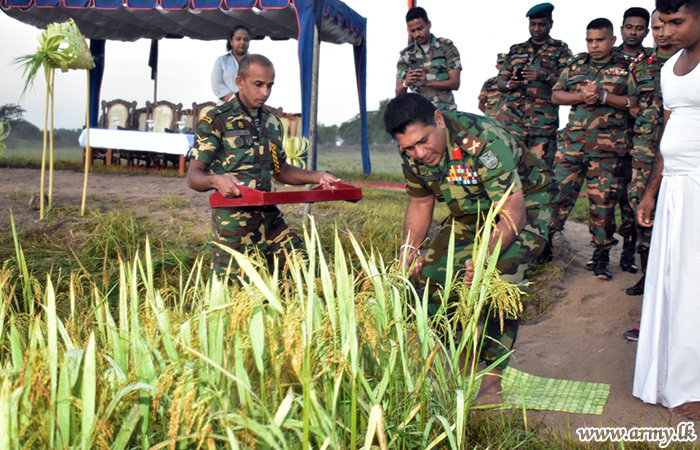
column 200, row 110
column 116, row 115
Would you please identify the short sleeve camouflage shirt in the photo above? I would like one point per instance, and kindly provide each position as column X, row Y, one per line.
column 441, row 57
column 531, row 105
column 611, row 76
column 644, row 85
column 229, row 142
column 480, row 163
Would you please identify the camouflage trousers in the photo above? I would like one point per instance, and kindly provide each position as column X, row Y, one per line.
column 249, row 230
column 590, row 158
column 643, row 156
column 513, row 264
column 543, row 146
column 624, row 174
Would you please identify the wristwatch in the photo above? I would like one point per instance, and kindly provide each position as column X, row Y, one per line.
column 508, row 85
column 547, row 76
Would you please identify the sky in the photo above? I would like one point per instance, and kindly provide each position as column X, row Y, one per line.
column 480, row 30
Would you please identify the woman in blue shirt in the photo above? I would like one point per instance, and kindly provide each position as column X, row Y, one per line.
column 223, row 76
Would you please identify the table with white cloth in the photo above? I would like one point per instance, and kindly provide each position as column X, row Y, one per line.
column 142, row 141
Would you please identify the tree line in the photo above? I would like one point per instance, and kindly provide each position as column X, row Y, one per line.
column 21, row 130
column 351, row 132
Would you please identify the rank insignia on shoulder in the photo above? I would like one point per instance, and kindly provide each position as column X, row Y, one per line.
column 489, row 159
column 456, row 153
column 229, row 126
column 462, row 174
column 473, row 145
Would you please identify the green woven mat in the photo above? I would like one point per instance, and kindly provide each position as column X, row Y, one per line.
column 549, row 394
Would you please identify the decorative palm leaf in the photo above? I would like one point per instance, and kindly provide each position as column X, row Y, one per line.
column 295, row 148
column 61, row 46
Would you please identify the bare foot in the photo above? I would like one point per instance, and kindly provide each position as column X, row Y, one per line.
column 690, row 410
column 490, row 390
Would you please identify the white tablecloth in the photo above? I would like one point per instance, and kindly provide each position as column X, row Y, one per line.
column 172, row 143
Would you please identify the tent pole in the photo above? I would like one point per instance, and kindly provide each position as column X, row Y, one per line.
column 155, row 86
column 313, row 116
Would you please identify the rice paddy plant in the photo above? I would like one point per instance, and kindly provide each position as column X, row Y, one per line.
column 336, row 351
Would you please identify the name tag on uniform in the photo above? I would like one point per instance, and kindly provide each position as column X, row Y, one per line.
column 462, row 174
column 237, row 133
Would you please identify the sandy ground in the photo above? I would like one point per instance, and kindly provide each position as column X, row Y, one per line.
column 579, row 338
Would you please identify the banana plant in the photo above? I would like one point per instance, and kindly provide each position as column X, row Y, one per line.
column 3, row 135
column 61, row 46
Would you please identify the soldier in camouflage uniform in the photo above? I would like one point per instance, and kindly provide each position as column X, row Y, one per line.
column 595, row 85
column 491, row 100
column 527, row 77
column 647, row 103
column 429, row 66
column 468, row 162
column 240, row 143
column 635, row 27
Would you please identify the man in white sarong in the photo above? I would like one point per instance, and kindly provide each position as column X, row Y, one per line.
column 668, row 356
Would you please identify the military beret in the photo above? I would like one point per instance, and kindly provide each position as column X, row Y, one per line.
column 501, row 58
column 540, row 11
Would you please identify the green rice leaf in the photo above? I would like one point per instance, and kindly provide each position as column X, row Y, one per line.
column 16, row 346
column 284, row 408
column 5, row 394
column 254, row 276
column 446, row 434
column 257, row 337
column 161, row 315
column 88, row 395
column 52, row 336
column 127, row 390
column 64, row 407
column 127, row 429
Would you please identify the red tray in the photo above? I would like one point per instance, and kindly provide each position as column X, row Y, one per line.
column 253, row 197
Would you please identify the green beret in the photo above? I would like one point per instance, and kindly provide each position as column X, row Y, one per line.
column 540, row 11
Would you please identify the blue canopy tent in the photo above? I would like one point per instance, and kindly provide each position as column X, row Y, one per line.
column 129, row 20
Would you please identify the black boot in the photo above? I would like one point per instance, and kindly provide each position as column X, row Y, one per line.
column 627, row 258
column 601, row 268
column 591, row 262
column 546, row 256
column 638, row 289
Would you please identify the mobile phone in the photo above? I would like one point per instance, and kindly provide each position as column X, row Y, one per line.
column 519, row 75
column 415, row 63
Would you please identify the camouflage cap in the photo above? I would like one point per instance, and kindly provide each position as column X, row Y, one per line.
column 540, row 11
column 501, row 58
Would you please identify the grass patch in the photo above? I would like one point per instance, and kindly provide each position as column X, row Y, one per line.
column 31, row 151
